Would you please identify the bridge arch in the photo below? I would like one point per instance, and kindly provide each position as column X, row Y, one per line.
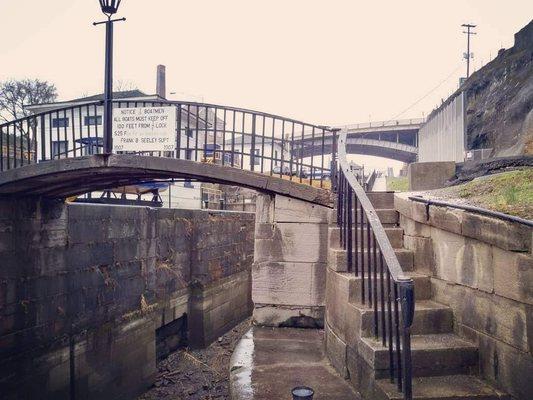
column 73, row 176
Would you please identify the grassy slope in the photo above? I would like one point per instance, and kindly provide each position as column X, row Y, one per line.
column 399, row 184
column 507, row 192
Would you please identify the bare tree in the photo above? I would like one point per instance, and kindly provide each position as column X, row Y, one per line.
column 122, row 85
column 16, row 94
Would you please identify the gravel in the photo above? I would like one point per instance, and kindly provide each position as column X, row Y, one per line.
column 197, row 374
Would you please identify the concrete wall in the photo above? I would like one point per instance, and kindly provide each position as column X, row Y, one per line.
column 482, row 268
column 83, row 289
column 430, row 175
column 289, row 270
column 442, row 137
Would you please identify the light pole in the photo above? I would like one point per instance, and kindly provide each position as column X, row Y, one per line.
column 109, row 7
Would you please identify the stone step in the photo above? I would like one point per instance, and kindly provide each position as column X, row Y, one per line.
column 338, row 259
column 430, row 318
column 387, row 216
column 422, row 287
column 381, row 200
column 432, row 355
column 395, row 235
column 448, row 387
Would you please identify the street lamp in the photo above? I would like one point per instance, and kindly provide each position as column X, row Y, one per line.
column 109, row 7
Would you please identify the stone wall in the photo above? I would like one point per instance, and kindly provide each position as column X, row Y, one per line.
column 289, row 271
column 83, row 289
column 482, row 268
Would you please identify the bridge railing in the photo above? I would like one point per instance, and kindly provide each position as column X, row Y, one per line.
column 207, row 133
column 378, row 124
column 384, row 286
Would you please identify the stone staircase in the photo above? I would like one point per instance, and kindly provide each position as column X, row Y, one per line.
column 445, row 366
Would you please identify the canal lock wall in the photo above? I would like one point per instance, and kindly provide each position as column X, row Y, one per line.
column 92, row 295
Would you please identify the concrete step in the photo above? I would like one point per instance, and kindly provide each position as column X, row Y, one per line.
column 338, row 259
column 448, row 387
column 422, row 287
column 432, row 355
column 395, row 235
column 430, row 318
column 387, row 216
column 381, row 200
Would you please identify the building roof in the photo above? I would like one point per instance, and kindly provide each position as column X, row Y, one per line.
column 116, row 95
column 121, row 95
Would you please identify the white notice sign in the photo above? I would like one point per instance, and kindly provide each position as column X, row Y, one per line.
column 144, row 129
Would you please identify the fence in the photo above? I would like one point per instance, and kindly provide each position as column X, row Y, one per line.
column 208, row 133
column 370, row 256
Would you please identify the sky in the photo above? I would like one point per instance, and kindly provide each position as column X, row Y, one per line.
column 324, row 62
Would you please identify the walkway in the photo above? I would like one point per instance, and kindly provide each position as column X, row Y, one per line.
column 380, row 185
column 269, row 362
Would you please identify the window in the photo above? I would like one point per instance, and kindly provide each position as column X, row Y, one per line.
column 59, row 148
column 93, row 120
column 275, row 157
column 188, row 132
column 60, row 123
column 257, row 157
column 188, row 154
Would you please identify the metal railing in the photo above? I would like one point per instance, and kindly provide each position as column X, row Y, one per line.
column 382, row 124
column 370, row 256
column 369, row 183
column 208, row 133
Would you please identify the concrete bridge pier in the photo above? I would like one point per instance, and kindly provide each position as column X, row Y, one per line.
column 290, row 256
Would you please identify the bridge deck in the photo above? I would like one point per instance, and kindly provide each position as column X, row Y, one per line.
column 74, row 176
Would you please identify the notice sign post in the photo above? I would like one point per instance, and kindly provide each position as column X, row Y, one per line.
column 144, row 129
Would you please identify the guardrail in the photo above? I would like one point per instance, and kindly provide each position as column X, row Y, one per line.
column 208, row 133
column 369, row 184
column 374, row 261
column 379, row 124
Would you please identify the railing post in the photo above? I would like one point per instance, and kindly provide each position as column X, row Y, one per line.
column 407, row 301
column 252, row 145
column 333, row 167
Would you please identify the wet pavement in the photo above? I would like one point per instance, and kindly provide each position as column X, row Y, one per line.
column 268, row 362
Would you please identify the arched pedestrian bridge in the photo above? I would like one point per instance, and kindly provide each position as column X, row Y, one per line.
column 74, row 176
column 59, row 152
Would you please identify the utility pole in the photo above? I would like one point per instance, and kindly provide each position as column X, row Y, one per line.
column 468, row 55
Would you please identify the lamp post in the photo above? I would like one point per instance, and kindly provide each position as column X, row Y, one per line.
column 109, row 8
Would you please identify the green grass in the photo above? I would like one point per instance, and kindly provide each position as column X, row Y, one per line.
column 399, row 184
column 507, row 192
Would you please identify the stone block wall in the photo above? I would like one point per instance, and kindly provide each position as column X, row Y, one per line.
column 482, row 267
column 289, row 270
column 83, row 289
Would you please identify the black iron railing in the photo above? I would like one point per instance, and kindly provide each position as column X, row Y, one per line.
column 369, row 183
column 208, row 133
column 370, row 256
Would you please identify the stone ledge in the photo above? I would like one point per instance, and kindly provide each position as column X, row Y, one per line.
column 507, row 235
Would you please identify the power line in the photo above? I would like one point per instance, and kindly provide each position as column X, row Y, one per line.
column 427, row 94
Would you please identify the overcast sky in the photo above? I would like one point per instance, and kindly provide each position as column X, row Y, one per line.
column 327, row 62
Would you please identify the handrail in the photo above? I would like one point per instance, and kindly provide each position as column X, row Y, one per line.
column 474, row 209
column 375, row 224
column 356, row 218
column 231, row 136
column 369, row 184
column 382, row 124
